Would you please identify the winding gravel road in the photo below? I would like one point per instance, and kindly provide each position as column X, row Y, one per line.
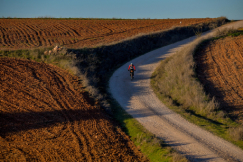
column 139, row 100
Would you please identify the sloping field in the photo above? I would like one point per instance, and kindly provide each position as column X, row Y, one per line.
column 45, row 116
column 220, row 66
column 31, row 33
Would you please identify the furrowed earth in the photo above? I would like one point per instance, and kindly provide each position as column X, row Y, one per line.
column 32, row 33
column 221, row 71
column 46, row 116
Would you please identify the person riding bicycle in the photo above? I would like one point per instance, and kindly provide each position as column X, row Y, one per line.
column 130, row 67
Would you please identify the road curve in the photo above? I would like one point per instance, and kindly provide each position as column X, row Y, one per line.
column 139, row 100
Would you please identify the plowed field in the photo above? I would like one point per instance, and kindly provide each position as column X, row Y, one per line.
column 221, row 71
column 31, row 33
column 46, row 116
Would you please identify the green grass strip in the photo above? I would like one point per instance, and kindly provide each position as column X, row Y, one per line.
column 152, row 147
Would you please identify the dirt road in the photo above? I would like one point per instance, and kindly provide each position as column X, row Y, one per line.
column 138, row 99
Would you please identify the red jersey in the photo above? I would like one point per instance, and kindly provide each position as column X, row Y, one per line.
column 130, row 67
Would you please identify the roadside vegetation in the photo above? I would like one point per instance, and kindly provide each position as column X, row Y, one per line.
column 152, row 147
column 176, row 84
column 94, row 66
column 62, row 58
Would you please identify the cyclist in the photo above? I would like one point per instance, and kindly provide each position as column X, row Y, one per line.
column 130, row 67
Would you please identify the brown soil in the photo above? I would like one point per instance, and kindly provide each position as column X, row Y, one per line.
column 32, row 33
column 46, row 116
column 220, row 66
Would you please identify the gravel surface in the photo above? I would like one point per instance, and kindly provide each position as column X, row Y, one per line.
column 139, row 100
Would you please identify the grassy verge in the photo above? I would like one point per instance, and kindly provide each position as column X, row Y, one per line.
column 152, row 147
column 175, row 83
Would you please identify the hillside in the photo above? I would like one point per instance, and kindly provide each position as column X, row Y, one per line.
column 46, row 116
column 74, row 33
column 221, row 72
column 94, row 66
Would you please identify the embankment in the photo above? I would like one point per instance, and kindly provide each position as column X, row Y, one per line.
column 97, row 64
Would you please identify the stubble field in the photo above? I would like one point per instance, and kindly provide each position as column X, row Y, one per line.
column 32, row 33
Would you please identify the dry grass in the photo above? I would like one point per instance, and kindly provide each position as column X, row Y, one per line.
column 175, row 78
column 179, row 158
column 175, row 82
column 236, row 133
column 224, row 32
column 61, row 58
